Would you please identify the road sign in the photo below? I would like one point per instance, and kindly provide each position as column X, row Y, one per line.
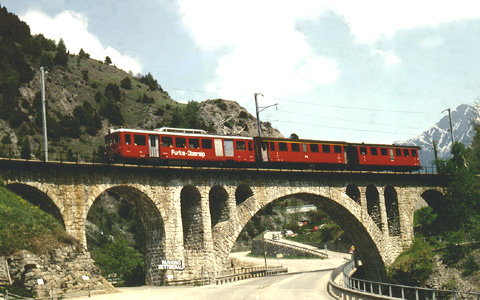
column 168, row 264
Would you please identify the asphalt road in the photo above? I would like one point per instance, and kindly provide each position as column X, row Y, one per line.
column 307, row 279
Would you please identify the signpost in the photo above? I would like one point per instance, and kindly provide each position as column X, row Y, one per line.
column 167, row 264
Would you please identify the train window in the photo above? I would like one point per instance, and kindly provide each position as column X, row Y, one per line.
column 314, row 147
column 282, row 147
column 337, row 149
column 116, row 139
column 384, row 151
column 406, row 153
column 304, row 147
column 326, row 149
column 128, row 139
column 295, row 147
column 206, row 144
column 398, row 152
column 363, row 150
column 250, row 146
column 272, row 146
column 139, row 140
column 374, row 151
column 241, row 146
column 414, row 153
column 167, row 141
column 193, row 143
column 180, row 142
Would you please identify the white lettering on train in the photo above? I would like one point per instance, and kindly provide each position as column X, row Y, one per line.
column 188, row 153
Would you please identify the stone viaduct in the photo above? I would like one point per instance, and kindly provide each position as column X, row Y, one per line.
column 196, row 214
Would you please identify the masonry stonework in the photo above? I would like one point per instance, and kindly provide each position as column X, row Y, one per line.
column 167, row 194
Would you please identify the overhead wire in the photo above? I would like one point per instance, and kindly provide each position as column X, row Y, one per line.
column 331, row 118
column 342, row 128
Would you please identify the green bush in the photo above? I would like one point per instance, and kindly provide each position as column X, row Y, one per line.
column 120, row 258
column 454, row 250
column 470, row 266
column 413, row 266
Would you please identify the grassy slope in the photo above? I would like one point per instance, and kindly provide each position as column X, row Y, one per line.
column 99, row 75
column 24, row 226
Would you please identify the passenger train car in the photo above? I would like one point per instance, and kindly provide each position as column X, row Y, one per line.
column 196, row 147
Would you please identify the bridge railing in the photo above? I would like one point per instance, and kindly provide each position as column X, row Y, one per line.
column 96, row 158
column 230, row 275
column 69, row 156
column 342, row 285
column 303, row 249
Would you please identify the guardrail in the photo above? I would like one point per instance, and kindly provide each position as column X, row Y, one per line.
column 257, row 272
column 311, row 251
column 353, row 288
column 230, row 275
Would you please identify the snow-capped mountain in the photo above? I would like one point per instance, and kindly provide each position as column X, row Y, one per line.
column 463, row 118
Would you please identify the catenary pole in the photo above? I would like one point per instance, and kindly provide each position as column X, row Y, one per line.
column 258, row 114
column 44, row 113
column 451, row 127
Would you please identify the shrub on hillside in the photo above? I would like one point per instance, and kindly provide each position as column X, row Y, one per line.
column 414, row 265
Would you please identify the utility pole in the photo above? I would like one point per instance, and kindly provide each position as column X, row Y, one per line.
column 44, row 113
column 264, row 251
column 259, row 109
column 451, row 128
column 258, row 114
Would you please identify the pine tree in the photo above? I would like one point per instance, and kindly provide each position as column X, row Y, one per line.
column 61, row 57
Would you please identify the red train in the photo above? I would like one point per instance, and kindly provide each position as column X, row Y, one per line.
column 196, row 147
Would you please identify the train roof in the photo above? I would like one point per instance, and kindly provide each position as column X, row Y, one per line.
column 178, row 131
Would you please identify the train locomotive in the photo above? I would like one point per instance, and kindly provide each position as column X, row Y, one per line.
column 177, row 146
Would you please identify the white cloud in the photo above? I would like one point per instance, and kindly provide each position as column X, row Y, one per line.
column 387, row 56
column 319, row 70
column 72, row 28
column 265, row 53
column 371, row 19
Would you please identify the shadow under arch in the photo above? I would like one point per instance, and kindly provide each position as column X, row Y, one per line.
column 242, row 193
column 355, row 230
column 393, row 215
column 353, row 192
column 433, row 198
column 218, row 202
column 152, row 225
column 373, row 205
column 191, row 211
column 37, row 198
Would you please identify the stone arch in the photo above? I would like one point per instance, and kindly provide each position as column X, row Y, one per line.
column 373, row 205
column 242, row 193
column 353, row 192
column 191, row 209
column 37, row 198
column 363, row 236
column 393, row 215
column 153, row 227
column 218, row 202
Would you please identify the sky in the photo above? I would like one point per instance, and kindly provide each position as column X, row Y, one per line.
column 374, row 71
